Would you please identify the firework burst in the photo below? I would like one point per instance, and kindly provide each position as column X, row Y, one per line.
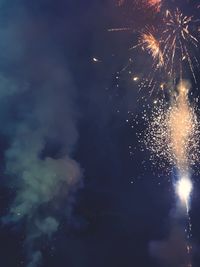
column 171, row 47
column 172, row 44
column 149, row 43
column 173, row 132
column 178, row 42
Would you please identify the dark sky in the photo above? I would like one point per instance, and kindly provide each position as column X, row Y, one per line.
column 76, row 188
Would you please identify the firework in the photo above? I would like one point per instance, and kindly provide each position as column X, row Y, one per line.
column 172, row 135
column 173, row 132
column 149, row 43
column 178, row 42
column 172, row 44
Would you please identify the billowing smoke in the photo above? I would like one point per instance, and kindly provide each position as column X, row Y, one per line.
column 38, row 120
column 175, row 250
column 171, row 252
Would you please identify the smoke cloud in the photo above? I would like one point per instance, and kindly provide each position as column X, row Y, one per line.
column 38, row 118
column 173, row 251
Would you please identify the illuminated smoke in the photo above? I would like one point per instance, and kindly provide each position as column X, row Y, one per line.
column 38, row 120
column 178, row 42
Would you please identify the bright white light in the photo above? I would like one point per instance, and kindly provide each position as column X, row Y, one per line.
column 95, row 59
column 135, row 78
column 184, row 189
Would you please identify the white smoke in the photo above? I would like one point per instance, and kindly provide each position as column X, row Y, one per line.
column 37, row 111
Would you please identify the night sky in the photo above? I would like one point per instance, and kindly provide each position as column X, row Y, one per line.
column 77, row 189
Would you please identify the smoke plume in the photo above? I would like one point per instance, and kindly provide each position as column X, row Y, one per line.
column 38, row 119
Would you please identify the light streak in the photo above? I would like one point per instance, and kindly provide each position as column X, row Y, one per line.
column 178, row 42
column 120, row 29
column 135, row 78
column 95, row 59
column 149, row 43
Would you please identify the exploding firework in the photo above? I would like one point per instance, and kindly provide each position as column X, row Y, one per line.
column 154, row 2
column 172, row 44
column 148, row 42
column 178, row 42
column 173, row 132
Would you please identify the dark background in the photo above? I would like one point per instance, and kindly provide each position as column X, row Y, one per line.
column 122, row 204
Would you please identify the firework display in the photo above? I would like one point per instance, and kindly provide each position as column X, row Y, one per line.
column 173, row 127
column 173, row 131
column 171, row 40
column 172, row 134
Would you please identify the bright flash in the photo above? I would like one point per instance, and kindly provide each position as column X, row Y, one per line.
column 135, row 78
column 95, row 59
column 184, row 189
